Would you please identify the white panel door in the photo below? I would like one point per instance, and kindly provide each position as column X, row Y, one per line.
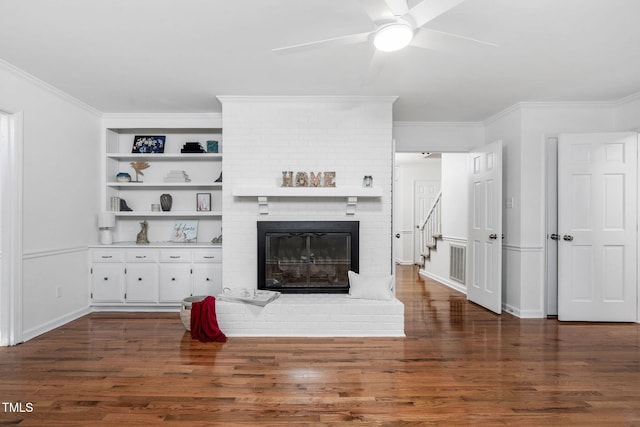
column 597, row 224
column 484, row 285
column 424, row 194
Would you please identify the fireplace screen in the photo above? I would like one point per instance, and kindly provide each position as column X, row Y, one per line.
column 307, row 256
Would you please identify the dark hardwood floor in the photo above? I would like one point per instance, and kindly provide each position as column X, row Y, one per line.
column 458, row 365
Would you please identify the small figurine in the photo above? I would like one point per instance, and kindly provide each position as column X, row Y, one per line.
column 139, row 167
column 217, row 240
column 124, row 207
column 142, row 235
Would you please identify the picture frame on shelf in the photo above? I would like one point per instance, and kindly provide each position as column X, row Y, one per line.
column 185, row 231
column 203, row 202
column 148, row 144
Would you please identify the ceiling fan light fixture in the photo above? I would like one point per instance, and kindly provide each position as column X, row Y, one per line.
column 392, row 37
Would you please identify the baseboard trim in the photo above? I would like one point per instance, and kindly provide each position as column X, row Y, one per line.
column 448, row 283
column 55, row 323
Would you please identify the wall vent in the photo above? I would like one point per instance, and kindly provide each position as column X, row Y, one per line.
column 457, row 263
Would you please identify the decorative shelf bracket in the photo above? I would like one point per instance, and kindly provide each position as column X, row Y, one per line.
column 352, row 201
column 263, row 205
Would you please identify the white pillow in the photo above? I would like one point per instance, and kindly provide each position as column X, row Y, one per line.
column 370, row 287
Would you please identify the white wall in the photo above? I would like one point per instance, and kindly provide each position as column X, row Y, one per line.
column 60, row 198
column 523, row 130
column 440, row 137
column 267, row 135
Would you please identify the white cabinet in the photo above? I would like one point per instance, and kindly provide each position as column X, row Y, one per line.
column 141, row 282
column 207, row 279
column 107, row 283
column 107, row 276
column 129, row 277
column 175, row 282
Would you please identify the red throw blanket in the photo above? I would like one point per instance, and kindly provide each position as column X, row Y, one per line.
column 204, row 324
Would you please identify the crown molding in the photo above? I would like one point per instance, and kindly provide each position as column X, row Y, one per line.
column 302, row 98
column 628, row 99
column 161, row 115
column 529, row 105
column 48, row 87
column 437, row 124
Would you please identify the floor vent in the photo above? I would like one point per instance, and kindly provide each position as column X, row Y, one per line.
column 457, row 263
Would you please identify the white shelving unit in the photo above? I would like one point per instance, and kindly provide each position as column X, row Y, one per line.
column 203, row 170
column 156, row 276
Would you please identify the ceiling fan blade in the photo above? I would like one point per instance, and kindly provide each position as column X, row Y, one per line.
column 398, row 7
column 335, row 41
column 377, row 10
column 430, row 9
column 457, row 36
column 375, row 68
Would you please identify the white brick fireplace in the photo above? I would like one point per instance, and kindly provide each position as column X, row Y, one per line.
column 263, row 136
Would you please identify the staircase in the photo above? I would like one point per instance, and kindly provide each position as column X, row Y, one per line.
column 431, row 230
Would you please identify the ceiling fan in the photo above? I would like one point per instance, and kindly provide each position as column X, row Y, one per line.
column 396, row 26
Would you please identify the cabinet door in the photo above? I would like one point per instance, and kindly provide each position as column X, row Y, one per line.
column 107, row 282
column 175, row 282
column 207, row 279
column 142, row 282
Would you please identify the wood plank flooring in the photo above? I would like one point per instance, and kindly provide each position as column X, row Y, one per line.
column 459, row 365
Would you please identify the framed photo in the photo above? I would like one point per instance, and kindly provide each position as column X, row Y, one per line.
column 148, row 144
column 203, row 202
column 185, row 231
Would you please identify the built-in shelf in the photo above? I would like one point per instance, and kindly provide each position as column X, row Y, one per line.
column 169, row 214
column 263, row 193
column 164, row 184
column 164, row 156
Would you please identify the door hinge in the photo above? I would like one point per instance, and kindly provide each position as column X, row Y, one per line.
column 91, row 295
column 125, row 295
column 91, row 270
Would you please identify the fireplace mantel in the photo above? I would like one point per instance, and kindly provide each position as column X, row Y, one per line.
column 351, row 194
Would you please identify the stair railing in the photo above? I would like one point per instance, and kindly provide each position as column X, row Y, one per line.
column 431, row 228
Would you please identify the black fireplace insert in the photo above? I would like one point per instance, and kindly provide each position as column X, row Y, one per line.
column 307, row 256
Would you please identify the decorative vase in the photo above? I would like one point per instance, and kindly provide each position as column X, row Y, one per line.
column 165, row 202
column 123, row 177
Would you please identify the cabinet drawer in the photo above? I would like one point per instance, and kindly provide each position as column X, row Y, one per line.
column 175, row 256
column 142, row 256
column 106, row 256
column 209, row 255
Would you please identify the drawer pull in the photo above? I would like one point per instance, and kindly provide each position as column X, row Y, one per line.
column 209, row 257
column 207, row 279
column 139, row 279
column 141, row 256
column 106, row 256
column 106, row 278
column 173, row 279
column 175, row 256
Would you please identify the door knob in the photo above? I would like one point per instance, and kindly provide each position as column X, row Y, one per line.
column 555, row 237
column 397, row 235
column 493, row 236
column 567, row 237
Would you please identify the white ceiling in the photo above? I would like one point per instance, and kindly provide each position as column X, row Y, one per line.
column 177, row 56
